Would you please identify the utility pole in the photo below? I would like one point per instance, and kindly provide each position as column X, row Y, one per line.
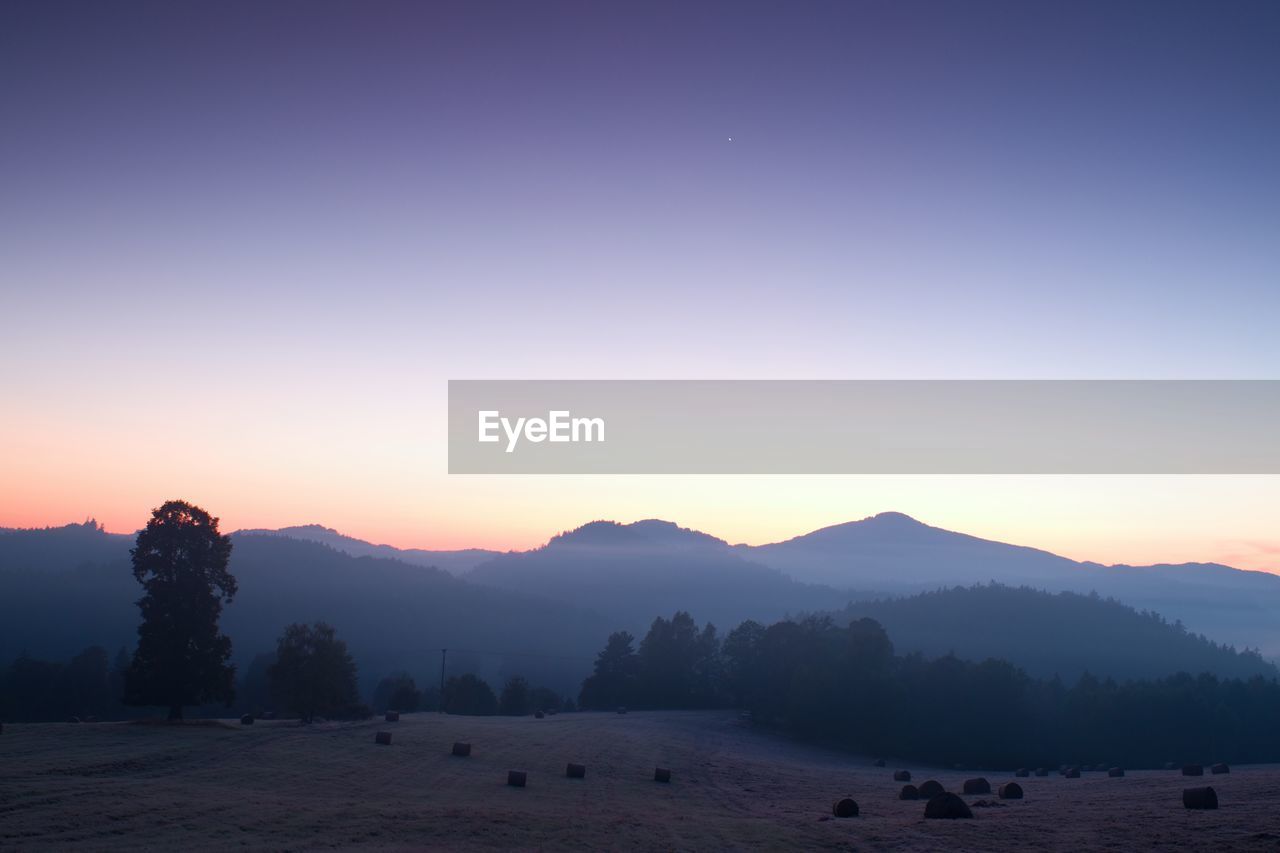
column 443, row 654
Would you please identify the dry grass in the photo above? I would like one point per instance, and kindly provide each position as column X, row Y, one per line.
column 277, row 786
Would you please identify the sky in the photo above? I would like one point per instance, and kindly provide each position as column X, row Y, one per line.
column 244, row 246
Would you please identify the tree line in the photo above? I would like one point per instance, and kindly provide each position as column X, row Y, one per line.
column 844, row 685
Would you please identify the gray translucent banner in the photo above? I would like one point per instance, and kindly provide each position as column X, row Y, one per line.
column 864, row 427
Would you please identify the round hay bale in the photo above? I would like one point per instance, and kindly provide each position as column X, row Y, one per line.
column 382, row 738
column 845, row 807
column 909, row 792
column 1199, row 798
column 902, row 775
column 1022, row 772
column 460, row 749
column 246, row 720
column 977, row 786
column 1042, row 771
column 1072, row 773
column 1219, row 769
column 1115, row 772
column 538, row 715
column 931, row 789
column 879, row 762
column 1010, row 791
column 661, row 774
column 392, row 716
column 516, row 778
column 947, row 807
column 576, row 771
column 1192, row 770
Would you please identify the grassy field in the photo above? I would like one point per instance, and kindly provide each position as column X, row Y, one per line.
column 279, row 786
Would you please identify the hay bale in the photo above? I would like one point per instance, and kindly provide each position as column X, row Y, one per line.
column 1010, row 791
column 661, row 774
column 879, row 762
column 931, row 789
column 1115, row 772
column 902, row 775
column 977, row 786
column 1042, row 771
column 1199, row 798
column 392, row 716
column 382, row 738
column 460, row 749
column 538, row 715
column 845, row 807
column 1072, row 773
column 1022, row 772
column 1192, row 770
column 517, row 778
column 947, row 807
column 909, row 792
column 246, row 720
column 576, row 771
column 1219, row 769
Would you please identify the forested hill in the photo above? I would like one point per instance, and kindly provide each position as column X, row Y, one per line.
column 1051, row 633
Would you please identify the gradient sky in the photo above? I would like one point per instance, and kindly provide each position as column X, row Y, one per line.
column 243, row 246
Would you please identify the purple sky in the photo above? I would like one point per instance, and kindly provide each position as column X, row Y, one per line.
column 284, row 225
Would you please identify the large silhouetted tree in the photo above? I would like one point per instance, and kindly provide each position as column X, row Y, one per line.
column 181, row 561
column 314, row 673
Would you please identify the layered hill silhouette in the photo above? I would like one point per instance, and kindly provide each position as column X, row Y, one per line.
column 454, row 562
column 545, row 612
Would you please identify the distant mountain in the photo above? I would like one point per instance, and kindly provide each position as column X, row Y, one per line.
column 1051, row 634
column 896, row 554
column 634, row 572
column 67, row 588
column 453, row 562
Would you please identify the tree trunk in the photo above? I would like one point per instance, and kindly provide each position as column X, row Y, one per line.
column 175, row 712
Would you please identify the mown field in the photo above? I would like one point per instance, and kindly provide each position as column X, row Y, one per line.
column 279, row 786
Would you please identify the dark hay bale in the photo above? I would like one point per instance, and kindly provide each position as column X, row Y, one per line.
column 1199, row 798
column 382, row 738
column 977, row 786
column 1072, row 773
column 1219, row 769
column 879, row 762
column 1010, row 791
column 516, row 778
column 1022, row 772
column 622, row 709
column 931, row 789
column 576, row 771
column 909, row 792
column 947, row 807
column 902, row 775
column 538, row 715
column 1192, row 770
column 661, row 774
column 246, row 720
column 1115, row 772
column 844, row 808
column 1042, row 771
column 392, row 717
column 460, row 749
